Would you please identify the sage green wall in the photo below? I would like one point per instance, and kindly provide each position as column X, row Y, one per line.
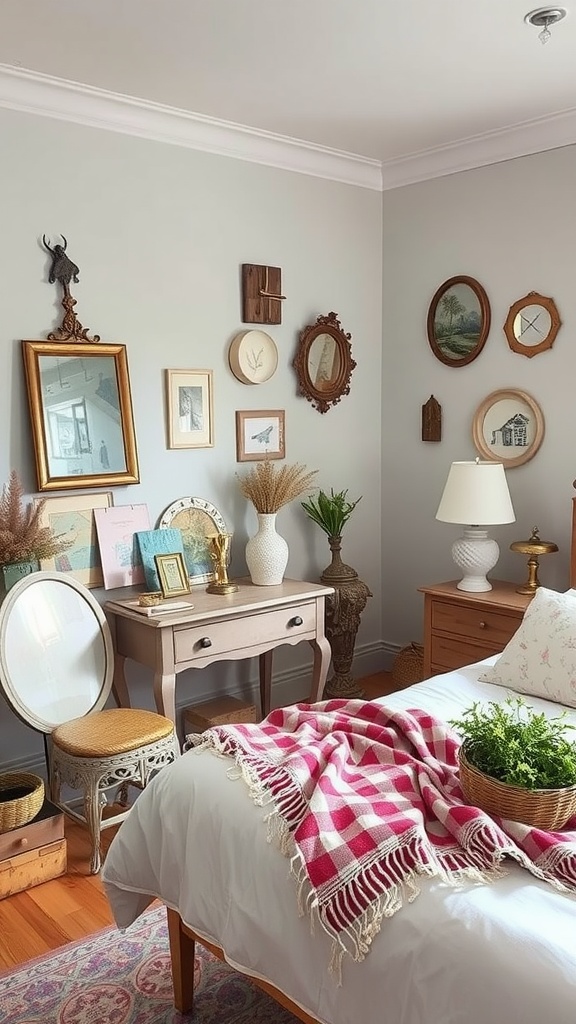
column 160, row 234
column 510, row 226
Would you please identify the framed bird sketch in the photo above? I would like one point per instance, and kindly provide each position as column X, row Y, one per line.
column 260, row 434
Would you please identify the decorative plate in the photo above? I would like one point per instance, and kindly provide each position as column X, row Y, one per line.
column 195, row 518
column 253, row 357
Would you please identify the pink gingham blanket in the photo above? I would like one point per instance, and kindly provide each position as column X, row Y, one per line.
column 365, row 801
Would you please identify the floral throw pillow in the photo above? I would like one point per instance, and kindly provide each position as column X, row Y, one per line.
column 540, row 659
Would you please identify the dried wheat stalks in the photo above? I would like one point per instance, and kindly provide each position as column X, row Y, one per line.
column 22, row 538
column 269, row 488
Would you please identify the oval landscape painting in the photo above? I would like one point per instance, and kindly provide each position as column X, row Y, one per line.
column 458, row 321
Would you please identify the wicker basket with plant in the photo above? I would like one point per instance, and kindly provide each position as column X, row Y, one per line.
column 517, row 763
column 22, row 536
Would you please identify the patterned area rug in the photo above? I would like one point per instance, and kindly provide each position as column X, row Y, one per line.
column 112, row 978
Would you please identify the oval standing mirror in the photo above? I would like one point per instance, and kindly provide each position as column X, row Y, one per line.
column 81, row 414
column 324, row 363
column 56, row 657
column 532, row 324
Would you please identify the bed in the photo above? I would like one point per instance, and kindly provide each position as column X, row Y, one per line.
column 196, row 839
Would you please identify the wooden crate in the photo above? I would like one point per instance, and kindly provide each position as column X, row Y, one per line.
column 33, row 853
column 220, row 711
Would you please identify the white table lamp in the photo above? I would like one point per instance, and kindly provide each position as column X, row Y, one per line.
column 476, row 493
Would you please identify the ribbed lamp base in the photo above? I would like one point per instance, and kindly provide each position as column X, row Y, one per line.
column 475, row 554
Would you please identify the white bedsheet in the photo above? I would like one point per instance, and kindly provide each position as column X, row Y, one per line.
column 504, row 952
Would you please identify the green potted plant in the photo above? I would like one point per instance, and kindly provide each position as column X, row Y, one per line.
column 517, row 763
column 24, row 542
column 331, row 511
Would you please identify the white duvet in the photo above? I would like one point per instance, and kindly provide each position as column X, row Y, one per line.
column 504, row 952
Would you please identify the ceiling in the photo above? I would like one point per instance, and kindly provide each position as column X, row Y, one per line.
column 384, row 79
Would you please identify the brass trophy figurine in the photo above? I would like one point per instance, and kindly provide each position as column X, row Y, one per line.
column 220, row 555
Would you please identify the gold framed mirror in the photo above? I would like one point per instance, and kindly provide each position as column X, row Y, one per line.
column 532, row 324
column 81, row 414
column 323, row 362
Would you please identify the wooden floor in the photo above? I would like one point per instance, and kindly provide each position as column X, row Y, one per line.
column 57, row 912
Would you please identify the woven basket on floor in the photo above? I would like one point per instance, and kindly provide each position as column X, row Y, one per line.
column 548, row 809
column 408, row 666
column 21, row 809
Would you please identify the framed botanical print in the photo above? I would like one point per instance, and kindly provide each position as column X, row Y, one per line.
column 508, row 427
column 172, row 574
column 458, row 321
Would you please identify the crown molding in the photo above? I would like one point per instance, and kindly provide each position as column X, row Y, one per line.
column 44, row 95
column 536, row 136
column 34, row 93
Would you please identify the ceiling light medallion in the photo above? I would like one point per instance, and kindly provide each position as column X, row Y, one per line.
column 543, row 17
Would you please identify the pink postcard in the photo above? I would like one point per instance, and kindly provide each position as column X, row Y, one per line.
column 116, row 528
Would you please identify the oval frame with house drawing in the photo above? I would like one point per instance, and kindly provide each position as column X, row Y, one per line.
column 458, row 321
column 508, row 427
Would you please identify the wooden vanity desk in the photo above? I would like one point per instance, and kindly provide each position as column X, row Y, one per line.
column 249, row 623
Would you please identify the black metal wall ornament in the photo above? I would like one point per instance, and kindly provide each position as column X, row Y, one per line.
column 64, row 271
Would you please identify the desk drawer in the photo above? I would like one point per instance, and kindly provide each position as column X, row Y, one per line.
column 240, row 633
column 490, row 626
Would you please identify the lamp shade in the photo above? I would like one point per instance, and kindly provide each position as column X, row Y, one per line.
column 476, row 494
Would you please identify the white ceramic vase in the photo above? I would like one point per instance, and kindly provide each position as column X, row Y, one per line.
column 266, row 552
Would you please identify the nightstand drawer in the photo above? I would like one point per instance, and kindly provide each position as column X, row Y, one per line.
column 491, row 626
column 448, row 653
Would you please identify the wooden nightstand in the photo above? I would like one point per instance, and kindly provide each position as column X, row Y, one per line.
column 461, row 627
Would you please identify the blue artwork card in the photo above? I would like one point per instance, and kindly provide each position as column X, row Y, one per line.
column 157, row 542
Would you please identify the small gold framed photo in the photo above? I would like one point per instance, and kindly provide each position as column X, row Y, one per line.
column 172, row 574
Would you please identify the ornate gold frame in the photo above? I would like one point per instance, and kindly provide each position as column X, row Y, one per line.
column 32, row 352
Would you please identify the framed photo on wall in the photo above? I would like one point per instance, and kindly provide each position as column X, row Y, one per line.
column 260, row 434
column 190, row 413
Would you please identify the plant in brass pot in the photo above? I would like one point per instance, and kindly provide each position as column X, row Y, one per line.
column 517, row 763
column 331, row 512
column 269, row 488
column 23, row 540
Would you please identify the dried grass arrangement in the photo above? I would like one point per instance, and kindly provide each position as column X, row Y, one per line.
column 22, row 538
column 270, row 488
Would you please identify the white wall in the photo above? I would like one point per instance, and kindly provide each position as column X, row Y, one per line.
column 512, row 227
column 159, row 234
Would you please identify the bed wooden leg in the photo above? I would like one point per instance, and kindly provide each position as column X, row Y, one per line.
column 182, row 957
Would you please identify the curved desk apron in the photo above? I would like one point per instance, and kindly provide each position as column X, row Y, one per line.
column 251, row 622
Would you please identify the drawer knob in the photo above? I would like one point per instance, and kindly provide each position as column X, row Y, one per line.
column 296, row 621
column 205, row 642
column 482, row 624
column 23, row 842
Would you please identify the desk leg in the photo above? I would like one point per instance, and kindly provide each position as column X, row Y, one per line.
column 165, row 695
column 322, row 655
column 119, row 685
column 266, row 681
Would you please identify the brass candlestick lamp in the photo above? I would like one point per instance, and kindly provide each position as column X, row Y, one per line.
column 533, row 547
column 220, row 555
